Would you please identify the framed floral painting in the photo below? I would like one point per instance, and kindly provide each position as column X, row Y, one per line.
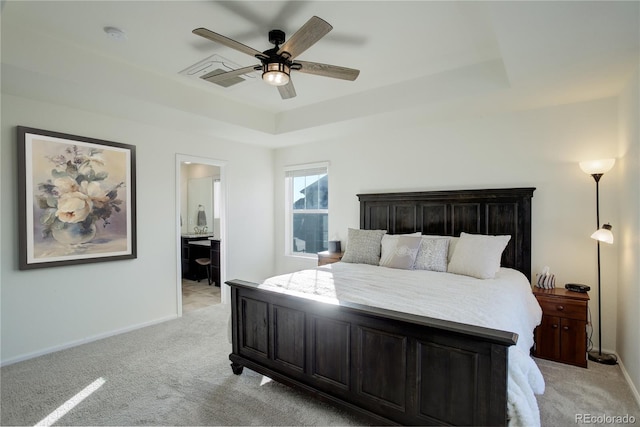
column 77, row 199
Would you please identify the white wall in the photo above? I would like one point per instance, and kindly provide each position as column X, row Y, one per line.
column 628, row 233
column 538, row 148
column 51, row 308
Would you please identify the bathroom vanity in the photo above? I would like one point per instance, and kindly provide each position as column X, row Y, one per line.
column 196, row 246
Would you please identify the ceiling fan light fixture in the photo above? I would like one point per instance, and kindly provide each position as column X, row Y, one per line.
column 278, row 62
column 276, row 73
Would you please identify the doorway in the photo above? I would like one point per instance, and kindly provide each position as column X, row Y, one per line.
column 200, row 217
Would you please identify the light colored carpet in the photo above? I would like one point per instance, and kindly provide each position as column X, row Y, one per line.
column 596, row 391
column 177, row 373
column 174, row 373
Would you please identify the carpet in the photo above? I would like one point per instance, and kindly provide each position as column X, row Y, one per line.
column 174, row 373
column 177, row 373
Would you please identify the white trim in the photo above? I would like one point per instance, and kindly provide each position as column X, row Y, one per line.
column 632, row 386
column 225, row 293
column 288, row 203
column 287, row 219
column 324, row 164
column 87, row 340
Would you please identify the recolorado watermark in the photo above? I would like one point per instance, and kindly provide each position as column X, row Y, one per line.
column 605, row 419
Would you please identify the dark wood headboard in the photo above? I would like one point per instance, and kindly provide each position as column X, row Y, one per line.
column 448, row 213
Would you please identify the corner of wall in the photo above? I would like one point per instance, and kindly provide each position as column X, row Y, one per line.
column 628, row 317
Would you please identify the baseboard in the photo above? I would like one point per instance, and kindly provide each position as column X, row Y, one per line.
column 84, row 341
column 632, row 386
column 634, row 389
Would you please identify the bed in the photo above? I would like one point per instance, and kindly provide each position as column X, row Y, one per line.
column 383, row 358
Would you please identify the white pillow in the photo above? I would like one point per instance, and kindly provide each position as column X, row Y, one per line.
column 363, row 246
column 432, row 254
column 478, row 255
column 399, row 250
column 453, row 241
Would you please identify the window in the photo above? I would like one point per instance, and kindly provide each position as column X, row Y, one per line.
column 307, row 209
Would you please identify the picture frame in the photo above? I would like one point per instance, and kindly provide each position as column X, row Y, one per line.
column 76, row 199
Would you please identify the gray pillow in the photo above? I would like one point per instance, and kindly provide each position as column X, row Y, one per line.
column 363, row 246
column 432, row 254
column 399, row 251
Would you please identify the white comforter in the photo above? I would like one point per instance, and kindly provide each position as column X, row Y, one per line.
column 504, row 303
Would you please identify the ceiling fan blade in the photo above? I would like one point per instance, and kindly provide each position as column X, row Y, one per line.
column 287, row 10
column 226, row 41
column 217, row 76
column 242, row 11
column 312, row 31
column 327, row 70
column 287, row 91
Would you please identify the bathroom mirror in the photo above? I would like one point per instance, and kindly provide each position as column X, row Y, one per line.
column 200, row 205
column 198, row 210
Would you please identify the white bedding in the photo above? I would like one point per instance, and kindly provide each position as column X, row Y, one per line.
column 504, row 303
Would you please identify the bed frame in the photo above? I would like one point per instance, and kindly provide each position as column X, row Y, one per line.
column 392, row 367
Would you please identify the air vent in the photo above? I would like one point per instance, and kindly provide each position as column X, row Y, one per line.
column 227, row 82
column 217, row 64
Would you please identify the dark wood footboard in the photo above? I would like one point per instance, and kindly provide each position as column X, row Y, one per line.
column 395, row 368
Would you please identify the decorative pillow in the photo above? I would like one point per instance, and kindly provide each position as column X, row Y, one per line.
column 363, row 246
column 478, row 255
column 432, row 254
column 399, row 251
column 453, row 241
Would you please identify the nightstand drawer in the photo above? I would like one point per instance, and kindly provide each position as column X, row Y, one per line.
column 563, row 307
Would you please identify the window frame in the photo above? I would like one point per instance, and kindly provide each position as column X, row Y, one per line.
column 289, row 199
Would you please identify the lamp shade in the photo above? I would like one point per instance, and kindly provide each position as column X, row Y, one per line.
column 603, row 234
column 597, row 166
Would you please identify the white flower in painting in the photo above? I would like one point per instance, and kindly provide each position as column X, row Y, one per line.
column 95, row 192
column 66, row 185
column 73, row 207
column 92, row 160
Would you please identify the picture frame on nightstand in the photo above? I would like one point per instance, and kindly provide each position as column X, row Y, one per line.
column 326, row 257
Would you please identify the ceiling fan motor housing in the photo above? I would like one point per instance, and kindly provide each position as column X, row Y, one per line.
column 276, row 37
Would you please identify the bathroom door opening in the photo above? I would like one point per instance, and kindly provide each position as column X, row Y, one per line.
column 200, row 215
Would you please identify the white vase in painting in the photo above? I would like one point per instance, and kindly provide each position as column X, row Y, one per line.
column 74, row 233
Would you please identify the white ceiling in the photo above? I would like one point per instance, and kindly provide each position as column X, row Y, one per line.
column 418, row 59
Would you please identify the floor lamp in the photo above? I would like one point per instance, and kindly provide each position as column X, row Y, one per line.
column 597, row 168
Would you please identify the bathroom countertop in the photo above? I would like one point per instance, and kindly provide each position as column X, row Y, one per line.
column 191, row 235
column 204, row 242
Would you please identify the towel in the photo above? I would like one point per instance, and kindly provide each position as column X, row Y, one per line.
column 202, row 216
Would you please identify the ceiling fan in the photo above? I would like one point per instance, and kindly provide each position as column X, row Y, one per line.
column 277, row 63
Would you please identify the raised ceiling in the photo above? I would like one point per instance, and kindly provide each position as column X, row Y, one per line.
column 418, row 60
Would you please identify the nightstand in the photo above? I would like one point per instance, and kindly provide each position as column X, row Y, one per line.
column 562, row 335
column 327, row 257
